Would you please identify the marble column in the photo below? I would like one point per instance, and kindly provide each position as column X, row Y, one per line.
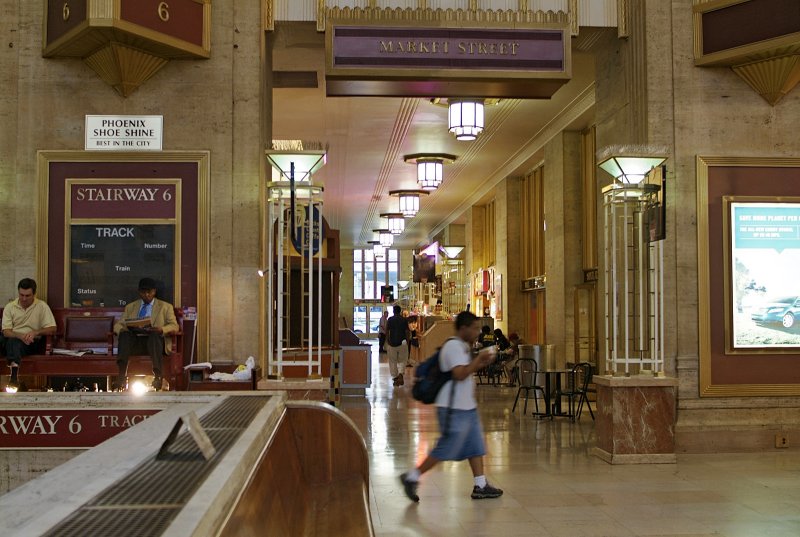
column 635, row 419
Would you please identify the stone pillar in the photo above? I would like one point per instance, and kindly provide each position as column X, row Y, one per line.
column 635, row 419
column 562, row 195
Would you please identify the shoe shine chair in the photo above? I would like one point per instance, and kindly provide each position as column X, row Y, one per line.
column 527, row 370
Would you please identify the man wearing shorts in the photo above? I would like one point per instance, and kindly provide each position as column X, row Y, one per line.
column 462, row 435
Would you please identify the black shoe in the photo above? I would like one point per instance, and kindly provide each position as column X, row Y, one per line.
column 410, row 488
column 157, row 384
column 14, row 374
column 487, row 491
column 398, row 380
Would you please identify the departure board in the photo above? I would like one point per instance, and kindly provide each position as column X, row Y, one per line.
column 107, row 262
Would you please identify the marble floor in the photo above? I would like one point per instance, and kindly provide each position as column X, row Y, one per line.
column 553, row 487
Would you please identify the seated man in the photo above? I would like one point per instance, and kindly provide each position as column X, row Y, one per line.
column 25, row 321
column 148, row 339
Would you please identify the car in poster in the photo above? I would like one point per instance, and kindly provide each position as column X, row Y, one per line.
column 784, row 310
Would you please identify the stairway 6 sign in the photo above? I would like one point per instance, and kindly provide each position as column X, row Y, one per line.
column 302, row 228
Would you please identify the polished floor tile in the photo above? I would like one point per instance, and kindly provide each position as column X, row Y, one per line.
column 553, row 487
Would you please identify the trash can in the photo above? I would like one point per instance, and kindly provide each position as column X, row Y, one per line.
column 527, row 351
column 545, row 356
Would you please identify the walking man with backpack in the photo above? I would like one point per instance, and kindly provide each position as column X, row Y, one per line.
column 457, row 411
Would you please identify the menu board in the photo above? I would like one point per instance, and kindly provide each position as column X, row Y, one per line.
column 107, row 261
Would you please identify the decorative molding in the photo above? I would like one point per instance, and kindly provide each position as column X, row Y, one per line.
column 622, row 18
column 371, row 15
column 769, row 66
column 773, row 78
column 269, row 15
column 124, row 68
column 573, row 16
column 125, row 48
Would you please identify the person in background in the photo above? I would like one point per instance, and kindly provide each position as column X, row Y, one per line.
column 511, row 355
column 382, row 331
column 149, row 340
column 25, row 321
column 486, row 337
column 413, row 347
column 397, row 337
column 500, row 340
column 457, row 411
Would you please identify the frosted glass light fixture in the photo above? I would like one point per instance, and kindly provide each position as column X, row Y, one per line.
column 409, row 201
column 629, row 164
column 396, row 222
column 385, row 237
column 378, row 249
column 465, row 118
column 429, row 168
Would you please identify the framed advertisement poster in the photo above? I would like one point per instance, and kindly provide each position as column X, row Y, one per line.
column 763, row 300
column 748, row 240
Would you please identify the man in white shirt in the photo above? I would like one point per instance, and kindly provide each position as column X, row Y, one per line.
column 25, row 321
column 457, row 411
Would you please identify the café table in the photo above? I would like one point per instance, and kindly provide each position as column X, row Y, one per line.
column 552, row 391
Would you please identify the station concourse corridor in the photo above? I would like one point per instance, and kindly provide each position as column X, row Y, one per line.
column 553, row 486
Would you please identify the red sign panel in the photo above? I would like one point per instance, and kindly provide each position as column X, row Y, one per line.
column 65, row 428
column 182, row 19
column 122, row 200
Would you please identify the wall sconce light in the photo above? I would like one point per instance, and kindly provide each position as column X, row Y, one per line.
column 402, row 284
column 396, row 222
column 429, row 168
column 452, row 251
column 409, row 201
column 261, row 272
column 288, row 154
column 629, row 164
column 465, row 119
column 385, row 237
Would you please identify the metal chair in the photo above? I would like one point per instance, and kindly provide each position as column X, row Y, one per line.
column 577, row 388
column 527, row 370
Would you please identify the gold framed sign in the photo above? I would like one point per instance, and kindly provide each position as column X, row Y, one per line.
column 748, row 234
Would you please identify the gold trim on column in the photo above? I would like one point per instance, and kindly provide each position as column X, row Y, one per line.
column 589, row 198
column 200, row 158
column 623, row 11
column 573, row 16
column 269, row 15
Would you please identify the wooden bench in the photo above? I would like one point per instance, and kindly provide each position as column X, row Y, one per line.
column 92, row 328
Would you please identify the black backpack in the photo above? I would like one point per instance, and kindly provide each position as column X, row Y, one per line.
column 429, row 379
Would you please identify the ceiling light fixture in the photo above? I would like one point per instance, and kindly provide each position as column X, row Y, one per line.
column 465, row 119
column 385, row 237
column 378, row 249
column 409, row 201
column 429, row 168
column 396, row 222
